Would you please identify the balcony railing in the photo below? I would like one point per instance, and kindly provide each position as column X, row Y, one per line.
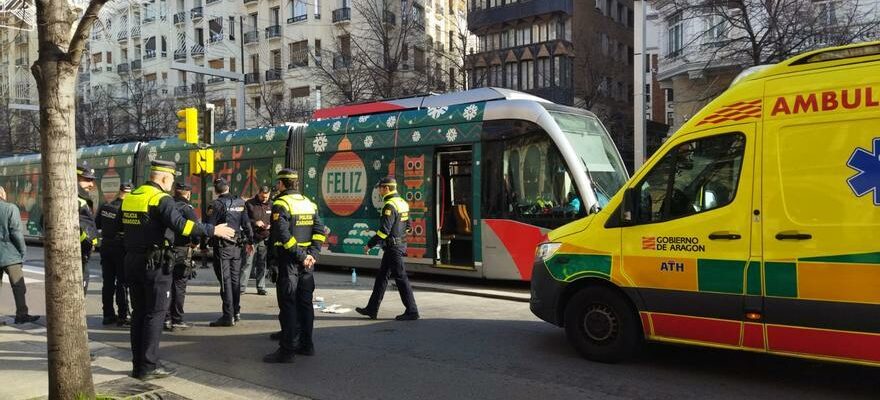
column 341, row 14
column 181, row 90
column 198, row 88
column 215, row 37
column 341, row 62
column 298, row 63
column 209, row 2
column 135, row 32
column 123, row 35
column 273, row 31
column 251, row 37
column 149, row 54
column 179, row 54
column 198, row 50
column 196, row 13
column 21, row 62
column 122, row 68
column 180, row 18
column 214, row 80
column 250, row 1
column 273, row 74
column 251, row 78
column 297, row 18
column 148, row 18
column 136, row 65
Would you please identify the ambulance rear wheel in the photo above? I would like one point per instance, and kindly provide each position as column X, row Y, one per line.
column 602, row 326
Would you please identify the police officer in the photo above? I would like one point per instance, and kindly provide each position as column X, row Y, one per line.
column 88, row 231
column 113, row 259
column 229, row 209
column 184, row 269
column 394, row 224
column 149, row 217
column 296, row 234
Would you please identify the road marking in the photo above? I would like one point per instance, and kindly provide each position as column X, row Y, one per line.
column 35, row 269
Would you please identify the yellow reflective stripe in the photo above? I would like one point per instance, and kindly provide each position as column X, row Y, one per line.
column 319, row 237
column 290, row 243
column 188, row 227
column 304, row 244
column 282, row 203
column 381, row 234
column 141, row 198
column 163, row 169
column 278, row 244
column 81, row 201
column 83, row 236
column 154, row 201
column 95, row 241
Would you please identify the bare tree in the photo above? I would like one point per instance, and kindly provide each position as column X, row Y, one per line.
column 456, row 54
column 276, row 108
column 150, row 114
column 593, row 72
column 63, row 29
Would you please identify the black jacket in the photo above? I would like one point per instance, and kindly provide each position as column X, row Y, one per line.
column 88, row 231
column 186, row 209
column 150, row 220
column 259, row 211
column 110, row 223
column 229, row 209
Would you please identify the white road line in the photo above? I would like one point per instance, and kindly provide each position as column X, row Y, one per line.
column 34, row 269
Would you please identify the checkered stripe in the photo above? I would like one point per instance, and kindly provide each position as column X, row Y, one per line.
column 734, row 112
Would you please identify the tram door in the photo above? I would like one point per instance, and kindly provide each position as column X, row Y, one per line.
column 454, row 207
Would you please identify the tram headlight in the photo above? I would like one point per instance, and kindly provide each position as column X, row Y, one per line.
column 546, row 250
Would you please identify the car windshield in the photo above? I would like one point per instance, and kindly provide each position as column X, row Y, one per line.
column 597, row 152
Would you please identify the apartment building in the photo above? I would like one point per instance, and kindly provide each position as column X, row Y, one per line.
column 18, row 50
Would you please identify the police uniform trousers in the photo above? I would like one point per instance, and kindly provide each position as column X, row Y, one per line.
column 294, row 290
column 113, row 274
column 227, row 263
column 86, row 252
column 392, row 266
column 180, row 276
column 150, row 286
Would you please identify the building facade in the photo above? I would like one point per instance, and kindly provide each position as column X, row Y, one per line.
column 18, row 90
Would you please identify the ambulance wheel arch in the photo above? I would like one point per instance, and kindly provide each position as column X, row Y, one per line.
column 601, row 321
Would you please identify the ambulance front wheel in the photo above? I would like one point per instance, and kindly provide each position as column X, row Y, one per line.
column 602, row 326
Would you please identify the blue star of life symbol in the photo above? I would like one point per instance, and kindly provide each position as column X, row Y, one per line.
column 868, row 166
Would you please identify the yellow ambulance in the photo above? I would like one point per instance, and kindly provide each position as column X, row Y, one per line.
column 756, row 226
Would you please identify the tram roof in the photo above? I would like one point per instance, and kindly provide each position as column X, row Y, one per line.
column 442, row 100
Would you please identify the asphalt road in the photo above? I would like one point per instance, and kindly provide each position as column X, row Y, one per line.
column 464, row 347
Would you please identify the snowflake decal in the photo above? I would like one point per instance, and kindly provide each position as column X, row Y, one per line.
column 470, row 112
column 125, row 148
column 270, row 134
column 313, row 172
column 278, row 168
column 416, row 136
column 437, row 112
column 336, row 126
column 176, row 157
column 128, row 160
column 151, row 155
column 392, row 120
column 377, row 164
column 228, row 137
column 363, row 118
column 451, row 134
column 238, row 178
column 161, row 145
column 320, row 143
column 102, row 150
column 368, row 141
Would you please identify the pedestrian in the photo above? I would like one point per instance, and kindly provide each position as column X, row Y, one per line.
column 12, row 252
column 184, row 269
column 113, row 260
column 296, row 235
column 229, row 209
column 394, row 224
column 259, row 211
column 149, row 217
column 88, row 231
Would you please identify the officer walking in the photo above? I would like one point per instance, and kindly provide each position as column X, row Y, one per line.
column 230, row 210
column 394, row 224
column 113, row 259
column 259, row 210
column 184, row 269
column 149, row 217
column 296, row 235
column 88, row 231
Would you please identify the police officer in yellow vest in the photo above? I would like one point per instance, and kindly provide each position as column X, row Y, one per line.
column 88, row 232
column 150, row 220
column 394, row 224
column 297, row 235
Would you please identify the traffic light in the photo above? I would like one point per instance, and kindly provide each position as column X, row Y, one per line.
column 206, row 124
column 188, row 125
column 201, row 161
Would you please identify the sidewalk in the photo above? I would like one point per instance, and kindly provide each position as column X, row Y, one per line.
column 24, row 373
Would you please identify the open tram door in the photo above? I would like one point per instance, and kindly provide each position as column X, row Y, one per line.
column 455, row 208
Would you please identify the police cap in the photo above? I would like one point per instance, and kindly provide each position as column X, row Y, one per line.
column 125, row 187
column 83, row 171
column 387, row 181
column 164, row 166
column 287, row 173
column 183, row 186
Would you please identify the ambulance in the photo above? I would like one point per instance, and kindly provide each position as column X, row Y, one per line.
column 755, row 227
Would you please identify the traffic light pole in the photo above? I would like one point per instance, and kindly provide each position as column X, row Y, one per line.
column 234, row 76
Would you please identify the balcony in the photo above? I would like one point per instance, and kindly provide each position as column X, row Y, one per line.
column 251, row 78
column 122, row 68
column 341, row 62
column 149, row 54
column 273, row 32
column 198, row 88
column 195, row 13
column 341, row 15
column 215, row 80
column 299, row 63
column 85, row 77
column 136, row 32
column 209, row 2
column 251, row 37
column 180, row 55
column 149, row 18
column 21, row 38
column 136, row 65
column 251, row 1
column 390, row 18
column 123, row 35
column 198, row 50
column 273, row 74
column 180, row 18
column 181, row 91
column 215, row 37
column 22, row 62
column 485, row 18
column 297, row 18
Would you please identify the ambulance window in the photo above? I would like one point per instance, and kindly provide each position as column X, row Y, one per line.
column 695, row 176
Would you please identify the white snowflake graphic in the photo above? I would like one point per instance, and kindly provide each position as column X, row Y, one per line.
column 336, row 126
column 151, row 155
column 100, row 151
column 162, row 145
column 229, row 137
column 436, row 112
column 278, row 168
column 312, row 172
column 125, row 148
column 470, row 112
column 320, row 143
column 270, row 134
column 392, row 120
column 176, row 157
column 451, row 134
column 377, row 164
column 363, row 118
column 128, row 160
column 416, row 136
column 368, row 141
column 238, row 178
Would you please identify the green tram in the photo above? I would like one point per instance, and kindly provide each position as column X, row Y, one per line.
column 486, row 172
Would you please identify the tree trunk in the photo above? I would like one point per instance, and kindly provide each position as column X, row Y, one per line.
column 55, row 70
